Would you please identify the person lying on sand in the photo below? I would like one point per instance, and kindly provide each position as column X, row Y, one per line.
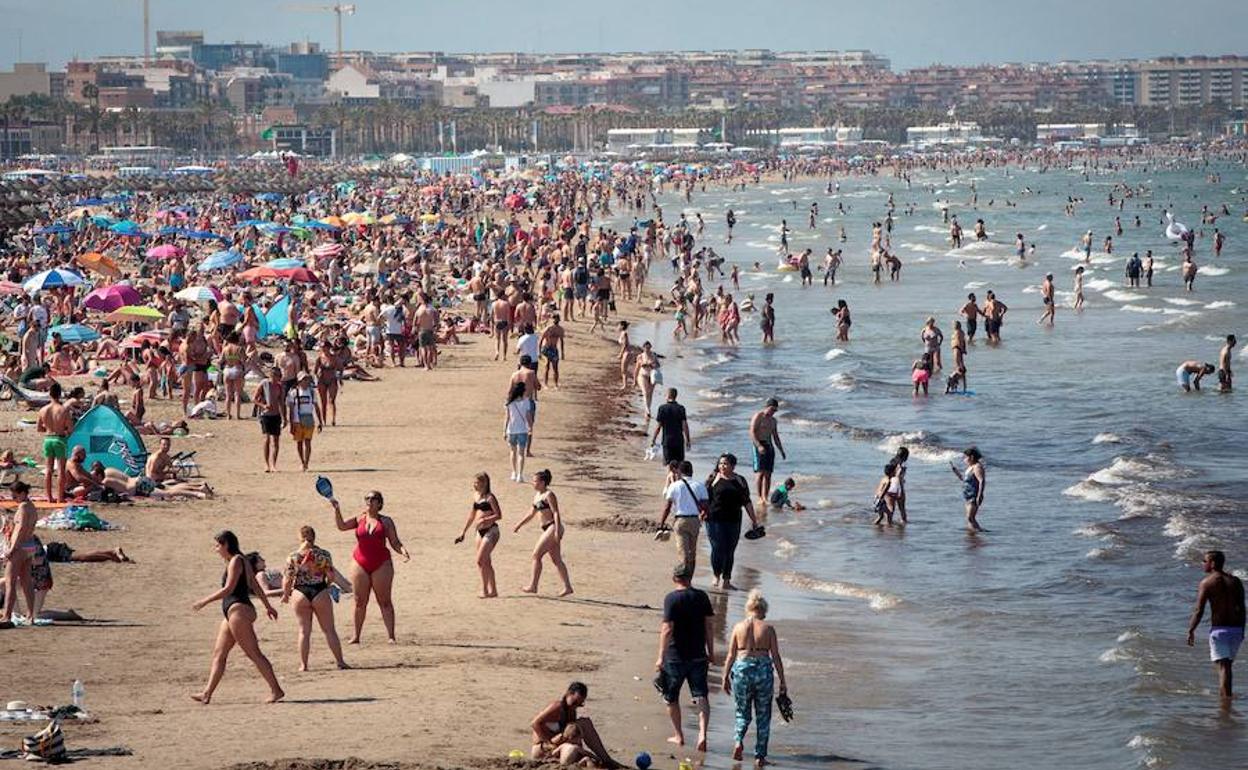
column 559, row 734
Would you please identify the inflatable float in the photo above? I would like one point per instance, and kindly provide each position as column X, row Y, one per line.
column 1175, row 231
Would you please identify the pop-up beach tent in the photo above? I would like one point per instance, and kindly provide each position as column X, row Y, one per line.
column 110, row 438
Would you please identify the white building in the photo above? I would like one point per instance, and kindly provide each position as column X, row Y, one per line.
column 957, row 134
column 623, row 139
column 812, row 136
column 1047, row 133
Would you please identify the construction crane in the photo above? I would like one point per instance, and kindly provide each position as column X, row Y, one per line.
column 338, row 9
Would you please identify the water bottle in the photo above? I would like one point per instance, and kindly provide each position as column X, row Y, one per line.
column 77, row 694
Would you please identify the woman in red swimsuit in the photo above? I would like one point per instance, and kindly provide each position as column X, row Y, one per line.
column 375, row 535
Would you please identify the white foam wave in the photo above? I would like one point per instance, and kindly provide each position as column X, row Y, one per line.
column 1091, row 491
column 834, row 353
column 1180, row 301
column 1107, row 438
column 914, row 441
column 1220, row 304
column 1142, row 309
column 876, row 599
column 973, row 285
column 841, row 381
column 1118, row 295
column 1210, row 270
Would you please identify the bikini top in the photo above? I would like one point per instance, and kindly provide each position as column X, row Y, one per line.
column 481, row 505
column 750, row 641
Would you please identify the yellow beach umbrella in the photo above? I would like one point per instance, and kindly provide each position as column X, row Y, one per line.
column 137, row 313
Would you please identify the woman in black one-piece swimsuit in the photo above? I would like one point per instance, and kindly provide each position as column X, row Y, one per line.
column 237, row 585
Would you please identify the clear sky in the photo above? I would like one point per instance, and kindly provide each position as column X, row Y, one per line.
column 910, row 32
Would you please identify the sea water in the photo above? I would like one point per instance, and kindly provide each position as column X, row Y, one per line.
column 1055, row 639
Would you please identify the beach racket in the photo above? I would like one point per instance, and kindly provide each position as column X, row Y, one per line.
column 324, row 488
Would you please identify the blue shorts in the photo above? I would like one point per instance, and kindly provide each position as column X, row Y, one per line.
column 1224, row 642
column 764, row 461
column 520, row 440
column 677, row 672
column 1184, row 377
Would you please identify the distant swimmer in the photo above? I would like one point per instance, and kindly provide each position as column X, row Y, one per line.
column 1087, row 247
column 831, row 262
column 731, row 219
column 1224, row 593
column 1189, row 271
column 974, row 482
column 1190, row 373
column 994, row 316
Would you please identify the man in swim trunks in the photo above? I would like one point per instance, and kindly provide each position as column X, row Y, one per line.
column 971, row 312
column 55, row 423
column 552, row 348
column 1224, row 593
column 269, row 398
column 672, row 423
column 425, row 322
column 1225, row 375
column 765, row 438
column 1190, row 373
column 502, row 312
column 304, row 416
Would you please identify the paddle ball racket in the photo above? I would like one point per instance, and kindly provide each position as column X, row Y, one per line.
column 324, row 488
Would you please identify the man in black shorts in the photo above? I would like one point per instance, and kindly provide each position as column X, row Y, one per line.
column 686, row 647
column 269, row 399
column 671, row 422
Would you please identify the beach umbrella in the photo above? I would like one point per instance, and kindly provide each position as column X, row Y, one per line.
column 97, row 262
column 269, row 197
column 365, row 268
column 75, row 333
column 135, row 313
column 326, row 250
column 317, row 225
column 285, row 263
column 203, row 235
column 355, row 218
column 298, row 275
column 53, row 279
column 199, row 294
column 101, row 220
column 126, row 227
column 221, row 260
column 165, row 251
column 430, row 217
column 80, row 212
column 257, row 274
column 272, row 229
column 54, row 229
column 136, row 340
column 251, row 223
column 335, row 222
column 106, row 299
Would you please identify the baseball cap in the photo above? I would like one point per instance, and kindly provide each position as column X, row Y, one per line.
column 683, row 572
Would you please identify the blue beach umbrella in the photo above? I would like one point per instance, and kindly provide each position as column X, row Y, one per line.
column 53, row 279
column 54, row 229
column 269, row 197
column 221, row 260
column 126, row 227
column 75, row 333
column 285, row 263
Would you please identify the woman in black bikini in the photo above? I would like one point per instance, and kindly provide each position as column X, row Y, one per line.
column 326, row 372
column 486, row 513
column 309, row 573
column 239, row 626
column 550, row 542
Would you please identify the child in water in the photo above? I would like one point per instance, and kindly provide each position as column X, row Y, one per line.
column 921, row 373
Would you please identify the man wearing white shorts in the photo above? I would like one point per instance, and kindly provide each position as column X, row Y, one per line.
column 1224, row 593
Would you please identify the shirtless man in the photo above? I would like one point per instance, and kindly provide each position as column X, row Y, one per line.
column 17, row 546
column 526, row 372
column 476, row 287
column 1079, row 289
column 994, row 315
column 765, row 438
column 425, row 327
column 502, row 313
column 373, row 326
column 551, row 346
column 1224, row 593
column 270, row 397
column 1224, row 365
column 1190, row 373
column 55, row 423
column 1046, row 296
column 971, row 312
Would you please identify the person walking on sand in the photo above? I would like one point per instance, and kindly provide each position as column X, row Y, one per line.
column 305, row 417
column 269, row 398
column 974, row 483
column 1224, row 593
column 55, row 423
column 765, row 438
column 375, row 535
column 307, row 578
column 750, row 669
column 238, row 585
column 550, row 542
column 485, row 513
column 672, row 424
column 728, row 496
column 685, row 499
column 686, row 647
column 517, row 425
column 17, row 543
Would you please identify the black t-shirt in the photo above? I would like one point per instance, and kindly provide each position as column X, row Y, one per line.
column 671, row 416
column 728, row 499
column 687, row 610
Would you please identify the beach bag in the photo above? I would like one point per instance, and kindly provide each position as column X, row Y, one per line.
column 48, row 744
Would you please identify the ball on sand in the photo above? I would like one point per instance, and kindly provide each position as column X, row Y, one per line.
column 643, row 761
column 515, row 754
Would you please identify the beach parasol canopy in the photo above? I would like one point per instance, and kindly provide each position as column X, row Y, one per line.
column 165, row 251
column 199, row 294
column 284, row 263
column 327, row 250
column 299, row 275
column 135, row 313
column 53, row 279
column 354, row 218
column 331, row 221
column 54, row 229
column 126, row 227
column 97, row 262
column 75, row 333
column 257, row 274
column 221, row 260
column 106, row 299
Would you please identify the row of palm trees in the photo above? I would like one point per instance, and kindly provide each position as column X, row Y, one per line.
column 211, row 128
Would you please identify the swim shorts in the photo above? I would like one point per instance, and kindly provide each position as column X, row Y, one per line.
column 302, row 432
column 271, row 424
column 764, row 461
column 1184, row 377
column 520, row 440
column 551, row 354
column 426, row 338
column 1224, row 642
column 677, row 672
column 55, row 447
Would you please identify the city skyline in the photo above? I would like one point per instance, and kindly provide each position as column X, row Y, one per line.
column 978, row 32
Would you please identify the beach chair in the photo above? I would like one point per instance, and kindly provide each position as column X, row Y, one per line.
column 184, row 465
column 10, row 390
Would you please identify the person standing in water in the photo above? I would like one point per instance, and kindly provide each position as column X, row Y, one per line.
column 1225, row 375
column 971, row 312
column 765, row 438
column 1079, row 289
column 1046, row 296
column 1224, row 593
column 767, row 319
column 974, row 482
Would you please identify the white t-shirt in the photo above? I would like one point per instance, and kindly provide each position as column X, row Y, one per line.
column 304, row 402
column 527, row 346
column 518, row 412
column 393, row 318
column 683, row 503
column 39, row 316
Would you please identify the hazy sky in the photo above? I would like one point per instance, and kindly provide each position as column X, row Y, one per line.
column 910, row 32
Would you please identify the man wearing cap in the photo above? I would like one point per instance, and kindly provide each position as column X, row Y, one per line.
column 304, row 415
column 686, row 647
column 684, row 499
column 765, row 438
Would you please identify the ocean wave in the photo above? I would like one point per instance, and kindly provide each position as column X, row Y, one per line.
column 931, row 229
column 1142, row 309
column 973, row 285
column 1091, row 491
column 834, row 353
column 922, row 248
column 784, row 548
column 1093, row 530
column 1125, row 470
column 922, row 447
column 1099, row 284
column 876, row 599
column 1180, row 301
column 842, row 381
column 1220, row 304
column 1210, row 270
column 1102, row 554
column 1106, row 438
column 1118, row 295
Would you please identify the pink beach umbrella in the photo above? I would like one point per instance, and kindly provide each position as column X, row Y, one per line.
column 106, row 299
column 165, row 251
